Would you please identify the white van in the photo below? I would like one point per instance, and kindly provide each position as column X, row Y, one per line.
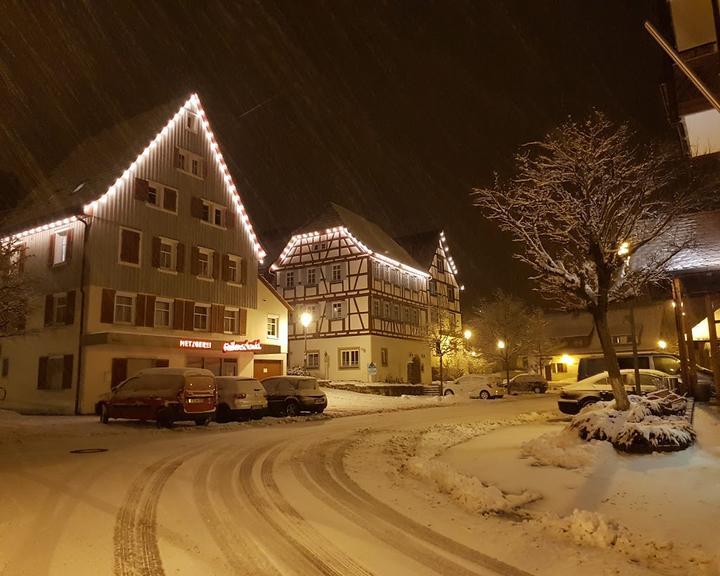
column 239, row 398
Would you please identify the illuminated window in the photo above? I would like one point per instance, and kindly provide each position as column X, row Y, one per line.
column 60, row 247
column 162, row 313
column 124, row 307
column 273, row 323
column 337, row 310
column 230, row 321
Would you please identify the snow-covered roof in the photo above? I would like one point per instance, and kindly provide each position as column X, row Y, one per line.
column 705, row 254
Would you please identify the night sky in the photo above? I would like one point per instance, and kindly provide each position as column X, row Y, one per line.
column 393, row 109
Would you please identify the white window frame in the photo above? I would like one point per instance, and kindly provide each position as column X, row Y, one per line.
column 274, row 322
column 212, row 209
column 235, row 320
column 131, row 306
column 191, row 122
column 290, row 274
column 160, row 197
column 315, row 363
column 205, row 307
column 57, row 298
column 333, row 269
column 350, row 358
column 173, row 255
column 140, row 242
column 187, row 163
column 210, row 256
column 314, row 280
column 237, row 261
column 60, row 247
column 336, row 311
column 169, row 313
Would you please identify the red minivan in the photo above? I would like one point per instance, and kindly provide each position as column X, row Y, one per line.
column 165, row 395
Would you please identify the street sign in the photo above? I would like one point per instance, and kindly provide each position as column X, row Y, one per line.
column 372, row 369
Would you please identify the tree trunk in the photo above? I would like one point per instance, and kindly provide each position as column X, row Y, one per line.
column 441, row 375
column 611, row 361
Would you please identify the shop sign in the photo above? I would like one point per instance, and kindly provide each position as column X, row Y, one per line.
column 242, row 346
column 201, row 344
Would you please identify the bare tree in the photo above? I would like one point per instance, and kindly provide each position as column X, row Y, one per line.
column 14, row 288
column 583, row 203
column 539, row 343
column 444, row 338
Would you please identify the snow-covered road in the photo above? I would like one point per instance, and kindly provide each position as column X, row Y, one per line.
column 298, row 499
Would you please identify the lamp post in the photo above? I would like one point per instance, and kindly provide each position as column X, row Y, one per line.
column 503, row 346
column 305, row 319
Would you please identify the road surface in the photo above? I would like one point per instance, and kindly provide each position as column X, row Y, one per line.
column 273, row 500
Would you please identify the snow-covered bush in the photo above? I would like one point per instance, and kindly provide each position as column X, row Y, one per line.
column 561, row 449
column 297, row 371
column 648, row 425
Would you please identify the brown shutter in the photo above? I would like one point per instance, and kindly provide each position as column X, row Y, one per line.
column 67, row 371
column 188, row 315
column 70, row 310
column 155, row 257
column 130, row 246
column 42, row 373
column 149, row 311
column 49, row 309
column 107, row 306
column 119, row 371
column 217, row 313
column 225, row 267
column 140, row 300
column 51, row 249
column 170, row 199
column 242, row 321
column 243, row 271
column 69, row 247
column 178, row 314
column 180, row 258
column 194, row 261
column 196, row 207
column 142, row 188
column 216, row 265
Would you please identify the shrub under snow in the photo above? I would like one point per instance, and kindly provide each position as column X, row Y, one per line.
column 650, row 424
column 562, row 449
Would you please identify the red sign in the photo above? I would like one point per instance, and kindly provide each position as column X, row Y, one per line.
column 242, row 346
column 202, row 344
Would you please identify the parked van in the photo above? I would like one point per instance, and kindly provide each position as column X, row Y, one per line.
column 290, row 395
column 165, row 395
column 667, row 363
column 239, row 397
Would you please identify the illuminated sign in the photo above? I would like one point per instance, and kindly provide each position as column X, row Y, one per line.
column 242, row 346
column 202, row 344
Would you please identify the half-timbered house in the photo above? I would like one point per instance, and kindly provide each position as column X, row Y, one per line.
column 139, row 253
column 363, row 297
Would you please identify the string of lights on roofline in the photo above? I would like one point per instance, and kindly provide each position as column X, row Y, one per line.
column 343, row 230
column 193, row 101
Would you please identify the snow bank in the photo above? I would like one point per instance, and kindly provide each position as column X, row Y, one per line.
column 562, row 449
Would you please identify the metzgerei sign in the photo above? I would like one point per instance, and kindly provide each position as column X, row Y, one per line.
column 202, row 344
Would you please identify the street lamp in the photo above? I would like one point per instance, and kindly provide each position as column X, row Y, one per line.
column 502, row 346
column 305, row 319
column 467, row 334
column 662, row 344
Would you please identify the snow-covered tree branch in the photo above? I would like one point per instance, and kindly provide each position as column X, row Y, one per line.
column 14, row 288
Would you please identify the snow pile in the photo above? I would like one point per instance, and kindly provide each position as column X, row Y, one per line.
column 562, row 449
column 644, row 427
column 585, row 527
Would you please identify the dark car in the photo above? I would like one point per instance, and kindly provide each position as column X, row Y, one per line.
column 290, row 395
column 526, row 383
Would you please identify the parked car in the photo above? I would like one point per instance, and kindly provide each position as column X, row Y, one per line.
column 575, row 397
column 526, row 383
column 290, row 395
column 165, row 395
column 473, row 385
column 239, row 398
column 667, row 363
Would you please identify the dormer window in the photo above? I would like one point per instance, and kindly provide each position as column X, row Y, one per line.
column 191, row 121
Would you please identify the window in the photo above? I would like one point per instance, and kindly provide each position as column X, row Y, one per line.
column 233, row 270
column 60, row 247
column 230, row 321
column 5, row 367
column 377, row 305
column 190, row 163
column 182, row 161
column 129, row 246
column 336, row 273
column 313, row 360
column 559, row 367
column 167, row 254
column 200, row 317
column 386, row 309
column 162, row 197
column 432, row 286
column 195, row 167
column 290, row 279
column 337, row 311
column 213, row 213
column 204, row 263
column 319, row 246
column 191, row 122
column 451, row 293
column 60, row 308
column 406, row 281
column 622, row 339
column 416, row 317
column 273, row 326
column 440, row 265
column 350, row 358
column 162, row 313
column 124, row 306
column 312, row 276
column 396, row 312
column 383, row 356
column 55, row 372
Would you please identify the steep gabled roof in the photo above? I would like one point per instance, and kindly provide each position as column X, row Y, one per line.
column 704, row 255
column 369, row 233
column 99, row 164
column 421, row 246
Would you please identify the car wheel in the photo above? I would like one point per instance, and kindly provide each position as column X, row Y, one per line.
column 587, row 402
column 202, row 421
column 163, row 419
column 222, row 414
column 484, row 395
column 292, row 408
column 448, row 392
column 104, row 416
column 537, row 390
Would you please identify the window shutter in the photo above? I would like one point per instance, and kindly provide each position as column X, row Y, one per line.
column 155, row 258
column 194, row 261
column 69, row 248
column 149, row 311
column 230, row 218
column 170, row 199
column 345, row 308
column 242, row 321
column 49, row 305
column 70, row 310
column 42, row 373
column 216, row 265
column 225, row 268
column 67, row 371
column 51, row 249
column 188, row 314
column 142, row 189
column 217, row 313
column 180, row 258
column 343, row 271
column 243, row 271
column 196, row 207
column 107, row 306
column 140, row 309
column 178, row 314
column 129, row 246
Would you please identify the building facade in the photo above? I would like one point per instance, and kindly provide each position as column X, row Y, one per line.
column 139, row 262
column 363, row 297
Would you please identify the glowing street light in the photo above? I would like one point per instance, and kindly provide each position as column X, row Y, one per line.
column 501, row 344
column 624, row 249
column 662, row 344
column 467, row 334
column 305, row 319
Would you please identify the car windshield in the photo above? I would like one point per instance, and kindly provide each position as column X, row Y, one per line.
column 667, row 364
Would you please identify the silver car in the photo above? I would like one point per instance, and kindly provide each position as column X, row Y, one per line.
column 474, row 386
column 239, row 398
